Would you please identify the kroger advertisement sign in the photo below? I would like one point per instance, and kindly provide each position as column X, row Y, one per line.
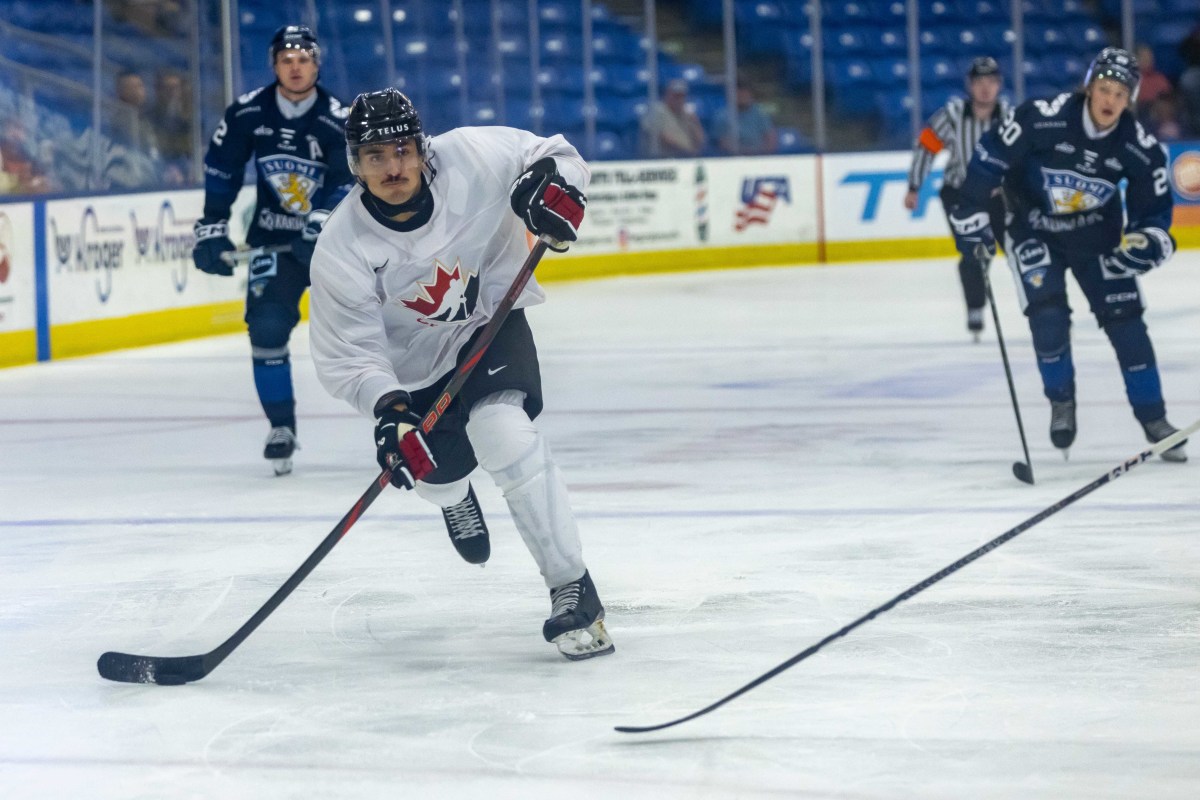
column 123, row 255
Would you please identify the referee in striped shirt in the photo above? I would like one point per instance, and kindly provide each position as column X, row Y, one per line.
column 956, row 127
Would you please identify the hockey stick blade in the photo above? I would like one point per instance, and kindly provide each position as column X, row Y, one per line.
column 177, row 670
column 912, row 591
column 165, row 671
column 1023, row 472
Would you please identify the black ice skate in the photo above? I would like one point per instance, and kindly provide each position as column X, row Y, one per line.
column 1160, row 429
column 576, row 623
column 975, row 322
column 468, row 532
column 281, row 443
column 1062, row 424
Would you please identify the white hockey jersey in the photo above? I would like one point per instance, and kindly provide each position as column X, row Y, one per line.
column 392, row 309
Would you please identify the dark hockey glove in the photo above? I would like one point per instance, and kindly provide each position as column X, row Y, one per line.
column 547, row 204
column 971, row 230
column 212, row 239
column 304, row 244
column 399, row 445
column 1138, row 253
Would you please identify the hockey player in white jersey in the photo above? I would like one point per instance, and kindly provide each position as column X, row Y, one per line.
column 407, row 271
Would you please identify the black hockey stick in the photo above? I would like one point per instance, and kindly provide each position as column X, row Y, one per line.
column 175, row 670
column 1022, row 471
column 1111, row 475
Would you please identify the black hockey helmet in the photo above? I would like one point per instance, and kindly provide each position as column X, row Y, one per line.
column 294, row 37
column 383, row 116
column 982, row 66
column 1115, row 64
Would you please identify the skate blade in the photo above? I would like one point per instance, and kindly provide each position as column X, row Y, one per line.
column 1176, row 455
column 586, row 642
column 282, row 466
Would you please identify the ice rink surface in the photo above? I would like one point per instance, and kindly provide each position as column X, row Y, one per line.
column 756, row 458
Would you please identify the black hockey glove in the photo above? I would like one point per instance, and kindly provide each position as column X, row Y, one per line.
column 304, row 244
column 1138, row 253
column 212, row 239
column 404, row 452
column 972, row 230
column 548, row 204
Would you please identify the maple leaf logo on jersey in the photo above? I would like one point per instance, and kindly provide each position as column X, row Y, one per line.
column 449, row 297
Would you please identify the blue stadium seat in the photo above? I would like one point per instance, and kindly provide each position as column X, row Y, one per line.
column 443, row 83
column 935, row 41
column 563, row 113
column 845, row 42
column 797, row 58
column 890, row 14
column 1088, row 37
column 759, row 27
column 613, row 146
column 943, row 12
column 513, row 17
column 890, row 71
column 985, row 11
column 512, row 46
column 1045, row 38
column 940, row 70
column 626, row 79
column 791, row 140
column 853, row 84
column 852, row 13
column 886, row 41
column 563, row 79
column 618, row 47
column 618, row 113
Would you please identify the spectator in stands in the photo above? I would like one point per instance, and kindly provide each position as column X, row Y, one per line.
column 1189, row 81
column 670, row 129
column 22, row 170
column 756, row 133
column 172, row 115
column 1162, row 118
column 153, row 17
column 1154, row 84
column 131, row 124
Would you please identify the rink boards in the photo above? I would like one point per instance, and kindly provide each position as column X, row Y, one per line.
column 90, row 274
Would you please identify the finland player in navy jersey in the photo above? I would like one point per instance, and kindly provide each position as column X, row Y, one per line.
column 408, row 271
column 295, row 131
column 1063, row 161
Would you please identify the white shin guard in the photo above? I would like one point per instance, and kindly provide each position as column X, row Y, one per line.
column 512, row 450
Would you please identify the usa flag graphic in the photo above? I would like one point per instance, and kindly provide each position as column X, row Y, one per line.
column 759, row 196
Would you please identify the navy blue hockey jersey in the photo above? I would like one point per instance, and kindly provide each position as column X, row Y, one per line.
column 300, row 163
column 1064, row 187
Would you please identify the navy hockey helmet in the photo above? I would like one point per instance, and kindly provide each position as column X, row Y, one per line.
column 294, row 37
column 383, row 116
column 1116, row 64
column 982, row 66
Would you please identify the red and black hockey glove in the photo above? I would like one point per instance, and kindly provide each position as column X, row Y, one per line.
column 548, row 204
column 399, row 445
